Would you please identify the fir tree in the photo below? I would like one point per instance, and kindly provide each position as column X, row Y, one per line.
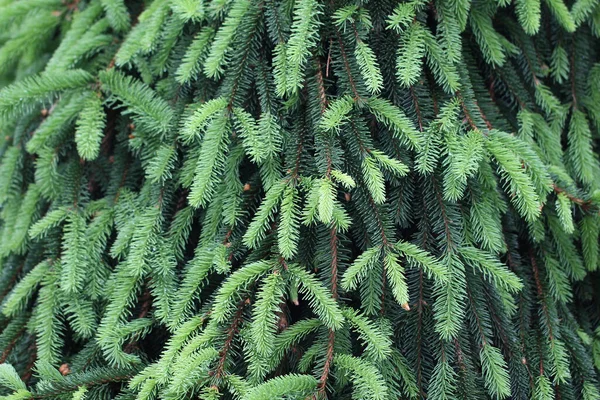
column 261, row 199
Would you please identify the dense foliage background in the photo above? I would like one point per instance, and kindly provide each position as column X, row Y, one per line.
column 268, row 199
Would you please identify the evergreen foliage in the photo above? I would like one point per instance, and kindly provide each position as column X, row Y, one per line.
column 244, row 199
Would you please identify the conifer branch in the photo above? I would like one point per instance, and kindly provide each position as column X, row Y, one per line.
column 182, row 182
